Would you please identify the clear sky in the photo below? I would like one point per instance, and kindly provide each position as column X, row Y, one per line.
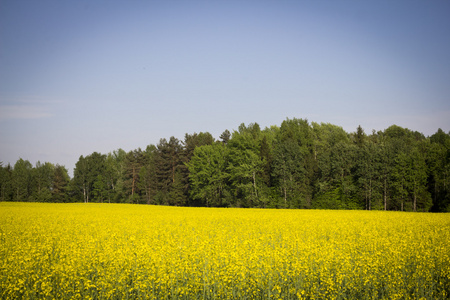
column 83, row 76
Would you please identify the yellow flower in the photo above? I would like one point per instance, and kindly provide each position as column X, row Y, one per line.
column 126, row 251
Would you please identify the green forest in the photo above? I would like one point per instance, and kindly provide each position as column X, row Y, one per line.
column 296, row 165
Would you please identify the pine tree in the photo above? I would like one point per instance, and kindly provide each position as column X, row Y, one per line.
column 168, row 168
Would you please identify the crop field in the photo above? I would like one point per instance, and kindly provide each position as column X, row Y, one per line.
column 117, row 251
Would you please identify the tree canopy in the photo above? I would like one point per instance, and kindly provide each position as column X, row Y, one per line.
column 295, row 165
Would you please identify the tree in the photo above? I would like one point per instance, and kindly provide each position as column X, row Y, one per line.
column 114, row 175
column 22, row 180
column 96, row 171
column 208, row 175
column 134, row 161
column 43, row 175
column 80, row 178
column 266, row 155
column 60, row 184
column 335, row 155
column 5, row 183
column 416, row 175
column 409, row 170
column 438, row 162
column 289, row 171
column 386, row 165
column 191, row 142
column 147, row 175
column 399, row 185
column 168, row 170
column 246, row 166
column 368, row 174
column 99, row 188
column 225, row 136
column 296, row 165
column 359, row 136
column 293, row 163
column 86, row 173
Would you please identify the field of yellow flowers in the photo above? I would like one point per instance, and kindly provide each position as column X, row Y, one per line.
column 117, row 251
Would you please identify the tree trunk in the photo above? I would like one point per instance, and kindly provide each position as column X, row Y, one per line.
column 132, row 183
column 415, row 196
column 173, row 169
column 84, row 193
column 254, row 185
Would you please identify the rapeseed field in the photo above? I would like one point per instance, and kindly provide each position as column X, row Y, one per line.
column 117, row 251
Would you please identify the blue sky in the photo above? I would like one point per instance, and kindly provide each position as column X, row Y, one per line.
column 84, row 76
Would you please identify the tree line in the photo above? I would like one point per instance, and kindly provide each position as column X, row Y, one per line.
column 295, row 165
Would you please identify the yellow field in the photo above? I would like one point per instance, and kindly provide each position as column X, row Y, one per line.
column 107, row 251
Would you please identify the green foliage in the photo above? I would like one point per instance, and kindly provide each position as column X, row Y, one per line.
column 245, row 166
column 296, row 165
column 329, row 200
column 169, row 171
column 438, row 162
column 6, row 189
column 147, row 181
column 86, row 174
column 208, row 175
column 21, row 180
column 60, row 185
column 43, row 177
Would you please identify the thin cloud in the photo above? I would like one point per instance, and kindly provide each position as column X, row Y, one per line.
column 36, row 100
column 23, row 112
